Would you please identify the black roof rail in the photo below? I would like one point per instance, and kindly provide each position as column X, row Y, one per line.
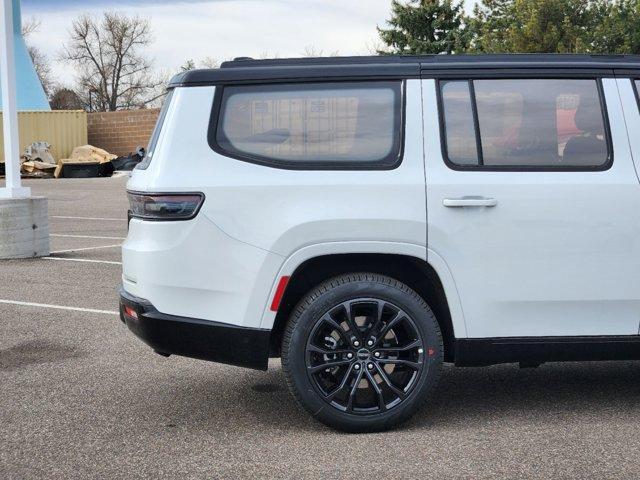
column 239, row 59
column 248, row 70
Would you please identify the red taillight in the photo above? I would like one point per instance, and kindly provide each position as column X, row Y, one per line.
column 277, row 297
column 130, row 312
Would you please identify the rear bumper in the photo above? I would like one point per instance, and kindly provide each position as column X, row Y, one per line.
column 190, row 337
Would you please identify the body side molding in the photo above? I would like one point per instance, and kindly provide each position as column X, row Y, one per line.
column 477, row 352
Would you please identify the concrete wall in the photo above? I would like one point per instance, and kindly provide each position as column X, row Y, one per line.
column 63, row 129
column 122, row 131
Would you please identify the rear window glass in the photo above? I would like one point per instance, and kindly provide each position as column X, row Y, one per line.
column 338, row 124
column 525, row 123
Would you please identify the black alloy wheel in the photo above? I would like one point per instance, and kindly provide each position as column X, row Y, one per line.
column 362, row 352
column 364, row 356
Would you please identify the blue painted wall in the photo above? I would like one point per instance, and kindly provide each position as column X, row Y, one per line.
column 31, row 95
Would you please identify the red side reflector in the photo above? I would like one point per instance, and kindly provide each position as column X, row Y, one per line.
column 130, row 312
column 277, row 298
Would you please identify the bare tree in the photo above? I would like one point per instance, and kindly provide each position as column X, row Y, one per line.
column 64, row 98
column 30, row 26
column 38, row 58
column 43, row 69
column 109, row 54
column 209, row 62
column 266, row 55
column 206, row 62
column 312, row 51
column 373, row 47
column 189, row 64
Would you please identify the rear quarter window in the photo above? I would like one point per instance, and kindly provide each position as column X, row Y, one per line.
column 338, row 125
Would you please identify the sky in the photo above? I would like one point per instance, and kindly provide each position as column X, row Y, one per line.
column 221, row 29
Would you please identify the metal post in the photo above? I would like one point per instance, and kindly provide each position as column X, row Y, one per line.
column 13, row 187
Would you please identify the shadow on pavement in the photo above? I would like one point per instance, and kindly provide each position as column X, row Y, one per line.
column 464, row 396
column 35, row 352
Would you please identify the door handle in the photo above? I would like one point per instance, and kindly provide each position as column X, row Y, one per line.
column 469, row 202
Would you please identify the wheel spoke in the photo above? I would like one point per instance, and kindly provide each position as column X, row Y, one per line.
column 397, row 361
column 375, row 325
column 372, row 381
column 336, row 326
column 343, row 383
column 386, row 379
column 412, row 345
column 330, row 364
column 354, row 389
column 389, row 326
column 326, row 351
column 353, row 327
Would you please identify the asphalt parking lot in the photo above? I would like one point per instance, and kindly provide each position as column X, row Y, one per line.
column 80, row 397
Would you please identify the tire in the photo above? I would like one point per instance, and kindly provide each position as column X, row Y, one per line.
column 327, row 336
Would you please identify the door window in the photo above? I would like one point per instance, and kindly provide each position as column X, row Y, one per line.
column 525, row 124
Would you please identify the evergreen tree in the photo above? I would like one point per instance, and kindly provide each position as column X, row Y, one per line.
column 549, row 26
column 489, row 25
column 531, row 26
column 513, row 26
column 425, row 27
column 615, row 27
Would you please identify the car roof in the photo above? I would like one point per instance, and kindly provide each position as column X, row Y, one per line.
column 248, row 70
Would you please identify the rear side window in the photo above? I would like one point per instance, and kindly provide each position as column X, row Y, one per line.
column 525, row 123
column 341, row 125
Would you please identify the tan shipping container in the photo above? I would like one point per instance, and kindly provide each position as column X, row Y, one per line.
column 63, row 129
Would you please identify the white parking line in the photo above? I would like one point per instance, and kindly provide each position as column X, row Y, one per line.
column 88, row 260
column 58, row 307
column 85, row 236
column 90, row 218
column 86, row 248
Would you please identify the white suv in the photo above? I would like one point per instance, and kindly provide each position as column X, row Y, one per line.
column 370, row 218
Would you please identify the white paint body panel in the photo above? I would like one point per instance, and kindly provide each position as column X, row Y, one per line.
column 560, row 253
column 631, row 117
column 223, row 265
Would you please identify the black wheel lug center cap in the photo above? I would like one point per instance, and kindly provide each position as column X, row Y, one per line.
column 363, row 354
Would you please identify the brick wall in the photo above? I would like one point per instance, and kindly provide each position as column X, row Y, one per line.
column 122, row 131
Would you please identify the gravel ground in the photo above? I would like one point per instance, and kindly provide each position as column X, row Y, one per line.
column 81, row 397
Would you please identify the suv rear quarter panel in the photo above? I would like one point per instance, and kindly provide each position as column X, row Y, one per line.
column 258, row 216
